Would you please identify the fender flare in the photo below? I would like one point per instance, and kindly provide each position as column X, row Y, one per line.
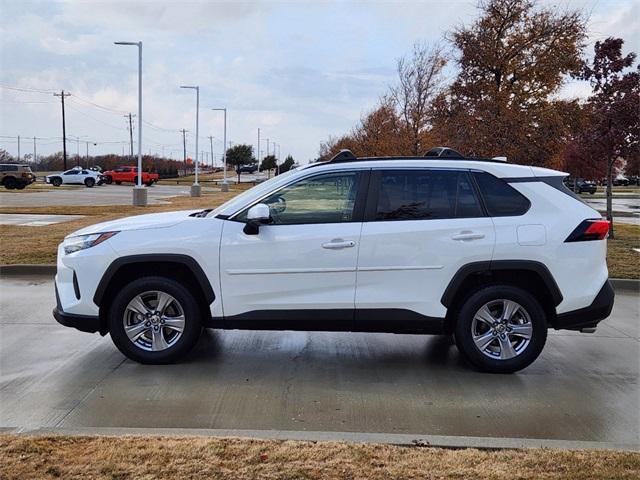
column 496, row 265
column 186, row 260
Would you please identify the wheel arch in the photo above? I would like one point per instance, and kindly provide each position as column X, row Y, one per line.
column 125, row 269
column 533, row 277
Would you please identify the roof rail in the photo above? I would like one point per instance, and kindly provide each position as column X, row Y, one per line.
column 344, row 155
column 443, row 152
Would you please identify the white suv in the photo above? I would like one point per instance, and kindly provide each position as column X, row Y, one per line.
column 488, row 252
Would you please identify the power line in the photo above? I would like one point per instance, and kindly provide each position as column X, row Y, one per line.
column 24, row 89
column 94, row 118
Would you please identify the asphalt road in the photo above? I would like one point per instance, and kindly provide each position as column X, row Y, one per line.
column 583, row 387
column 80, row 195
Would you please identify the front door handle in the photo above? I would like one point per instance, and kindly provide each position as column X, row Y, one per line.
column 338, row 243
column 467, row 236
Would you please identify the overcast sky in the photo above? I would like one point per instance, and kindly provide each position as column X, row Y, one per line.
column 301, row 71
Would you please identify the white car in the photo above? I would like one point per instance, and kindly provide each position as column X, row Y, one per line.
column 488, row 252
column 76, row 175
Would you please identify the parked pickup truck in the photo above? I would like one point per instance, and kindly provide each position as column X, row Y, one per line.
column 130, row 175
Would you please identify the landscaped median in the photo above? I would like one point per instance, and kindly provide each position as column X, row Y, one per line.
column 37, row 245
column 27, row 457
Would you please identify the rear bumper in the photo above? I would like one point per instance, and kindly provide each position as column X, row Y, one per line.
column 590, row 316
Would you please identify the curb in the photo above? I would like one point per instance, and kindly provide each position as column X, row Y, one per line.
column 412, row 440
column 28, row 269
column 619, row 284
column 625, row 284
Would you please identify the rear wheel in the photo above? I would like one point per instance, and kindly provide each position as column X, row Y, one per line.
column 20, row 186
column 135, row 180
column 108, row 180
column 501, row 329
column 89, row 182
column 118, row 183
column 154, row 320
column 149, row 184
column 56, row 182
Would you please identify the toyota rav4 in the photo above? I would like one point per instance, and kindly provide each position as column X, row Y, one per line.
column 490, row 253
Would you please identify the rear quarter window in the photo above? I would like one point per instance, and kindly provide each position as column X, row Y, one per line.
column 500, row 198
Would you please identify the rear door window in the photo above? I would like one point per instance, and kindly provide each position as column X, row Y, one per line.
column 427, row 194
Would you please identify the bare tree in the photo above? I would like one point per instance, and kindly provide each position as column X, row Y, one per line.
column 420, row 81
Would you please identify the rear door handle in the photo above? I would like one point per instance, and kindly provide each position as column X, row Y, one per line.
column 338, row 243
column 467, row 236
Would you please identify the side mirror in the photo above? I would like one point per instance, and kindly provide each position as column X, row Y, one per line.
column 258, row 214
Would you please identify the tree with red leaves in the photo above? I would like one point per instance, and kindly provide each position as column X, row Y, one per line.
column 613, row 131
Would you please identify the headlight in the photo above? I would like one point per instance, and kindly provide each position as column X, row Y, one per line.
column 81, row 242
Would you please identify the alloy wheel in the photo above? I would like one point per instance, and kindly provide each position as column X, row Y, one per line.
column 501, row 329
column 154, row 321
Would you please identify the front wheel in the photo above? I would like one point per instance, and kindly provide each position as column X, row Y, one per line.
column 501, row 329
column 56, row 182
column 89, row 182
column 154, row 320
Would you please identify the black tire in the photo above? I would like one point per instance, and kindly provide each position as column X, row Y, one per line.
column 9, row 183
column 191, row 312
column 149, row 184
column 20, row 186
column 525, row 356
column 135, row 180
column 89, row 182
column 118, row 183
column 56, row 182
column 108, row 180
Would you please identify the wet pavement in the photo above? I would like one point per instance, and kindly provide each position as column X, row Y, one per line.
column 583, row 387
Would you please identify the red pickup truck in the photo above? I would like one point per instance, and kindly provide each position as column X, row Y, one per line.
column 130, row 175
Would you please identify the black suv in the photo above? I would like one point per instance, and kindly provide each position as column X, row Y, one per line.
column 583, row 186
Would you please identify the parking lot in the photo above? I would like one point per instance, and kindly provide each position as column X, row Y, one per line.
column 583, row 387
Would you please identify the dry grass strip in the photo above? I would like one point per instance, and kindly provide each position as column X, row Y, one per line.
column 128, row 457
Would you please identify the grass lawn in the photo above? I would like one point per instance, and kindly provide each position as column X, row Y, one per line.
column 226, row 458
column 623, row 261
column 23, row 244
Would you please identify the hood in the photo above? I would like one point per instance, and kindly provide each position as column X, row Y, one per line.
column 139, row 222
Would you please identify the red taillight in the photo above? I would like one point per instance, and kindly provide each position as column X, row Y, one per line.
column 595, row 229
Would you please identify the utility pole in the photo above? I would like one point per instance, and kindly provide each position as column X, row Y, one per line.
column 258, row 149
column 34, row 150
column 64, row 131
column 18, row 147
column 213, row 159
column 130, row 132
column 184, row 149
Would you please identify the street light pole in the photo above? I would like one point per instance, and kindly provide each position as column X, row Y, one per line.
column 225, row 185
column 139, row 192
column 196, row 190
column 213, row 160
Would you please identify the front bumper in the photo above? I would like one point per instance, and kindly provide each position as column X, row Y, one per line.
column 84, row 323
column 588, row 317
